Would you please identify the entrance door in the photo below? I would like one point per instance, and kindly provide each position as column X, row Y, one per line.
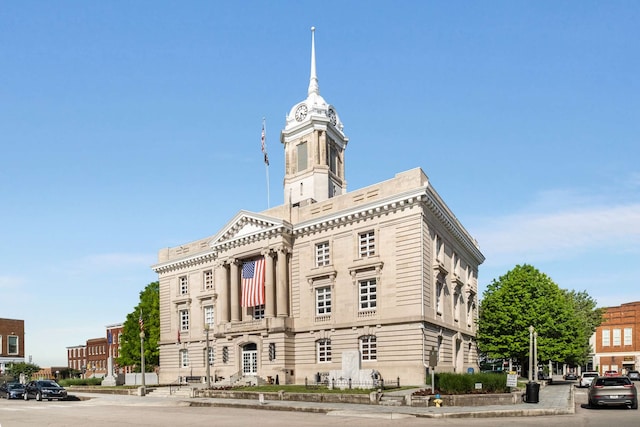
column 250, row 359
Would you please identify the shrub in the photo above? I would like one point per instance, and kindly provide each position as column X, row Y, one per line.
column 80, row 381
column 450, row 383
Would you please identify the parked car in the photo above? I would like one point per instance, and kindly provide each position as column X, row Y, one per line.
column 570, row 376
column 44, row 389
column 610, row 373
column 586, row 378
column 613, row 391
column 12, row 390
column 634, row 375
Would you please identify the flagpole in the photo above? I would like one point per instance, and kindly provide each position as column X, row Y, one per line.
column 266, row 157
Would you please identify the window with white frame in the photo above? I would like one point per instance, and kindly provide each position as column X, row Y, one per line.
column 184, row 358
column 617, row 337
column 207, row 279
column 12, row 345
column 628, row 336
column 209, row 316
column 323, row 350
column 323, row 301
column 368, row 348
column 367, row 244
column 184, row 320
column 211, row 355
column 606, row 338
column 257, row 312
column 368, row 296
column 184, row 285
column 322, row 254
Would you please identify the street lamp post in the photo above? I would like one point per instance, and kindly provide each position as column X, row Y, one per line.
column 535, row 355
column 207, row 361
column 142, row 368
column 531, row 329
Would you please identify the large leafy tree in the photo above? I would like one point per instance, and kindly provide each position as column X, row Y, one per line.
column 589, row 318
column 148, row 309
column 15, row 369
column 525, row 297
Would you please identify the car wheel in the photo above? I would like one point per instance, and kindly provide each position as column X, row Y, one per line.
column 26, row 396
column 39, row 396
column 634, row 405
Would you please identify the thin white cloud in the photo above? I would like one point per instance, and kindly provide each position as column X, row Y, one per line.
column 561, row 234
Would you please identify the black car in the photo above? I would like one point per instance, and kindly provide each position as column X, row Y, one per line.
column 12, row 390
column 570, row 376
column 634, row 375
column 44, row 389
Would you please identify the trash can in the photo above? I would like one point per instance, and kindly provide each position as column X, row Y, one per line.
column 532, row 393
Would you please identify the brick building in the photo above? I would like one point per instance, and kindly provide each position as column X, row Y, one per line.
column 97, row 357
column 11, row 342
column 617, row 339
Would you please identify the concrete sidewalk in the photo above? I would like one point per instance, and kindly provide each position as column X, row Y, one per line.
column 555, row 399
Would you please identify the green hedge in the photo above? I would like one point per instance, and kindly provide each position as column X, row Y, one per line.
column 80, row 381
column 450, row 383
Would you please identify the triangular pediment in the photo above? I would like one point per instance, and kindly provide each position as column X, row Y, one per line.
column 246, row 225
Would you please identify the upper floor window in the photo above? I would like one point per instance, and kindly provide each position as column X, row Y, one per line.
column 12, row 345
column 617, row 337
column 208, row 279
column 367, row 244
column 184, row 285
column 323, row 350
column 457, row 304
column 184, row 320
column 439, row 296
column 606, row 338
column 439, row 248
column 323, row 301
column 257, row 312
column 368, row 348
column 209, row 317
column 368, row 297
column 628, row 336
column 302, row 156
column 322, row 254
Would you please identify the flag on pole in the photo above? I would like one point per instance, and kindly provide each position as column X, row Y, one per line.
column 109, row 337
column 141, row 322
column 253, row 283
column 264, row 146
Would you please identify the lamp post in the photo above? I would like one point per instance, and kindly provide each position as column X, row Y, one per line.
column 207, row 361
column 535, row 355
column 142, row 368
column 530, row 353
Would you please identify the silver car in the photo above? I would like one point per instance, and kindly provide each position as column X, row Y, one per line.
column 613, row 391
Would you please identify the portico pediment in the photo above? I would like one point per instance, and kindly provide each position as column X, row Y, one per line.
column 246, row 227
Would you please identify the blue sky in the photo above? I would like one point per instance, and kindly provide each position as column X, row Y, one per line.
column 127, row 127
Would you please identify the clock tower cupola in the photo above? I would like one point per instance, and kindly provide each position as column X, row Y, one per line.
column 314, row 144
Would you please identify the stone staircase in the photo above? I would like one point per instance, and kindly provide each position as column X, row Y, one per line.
column 391, row 400
column 174, row 391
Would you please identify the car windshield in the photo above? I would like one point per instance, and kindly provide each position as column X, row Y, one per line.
column 49, row 384
column 589, row 374
column 14, row 386
column 612, row 382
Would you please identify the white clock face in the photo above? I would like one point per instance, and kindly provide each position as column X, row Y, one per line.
column 301, row 112
column 332, row 116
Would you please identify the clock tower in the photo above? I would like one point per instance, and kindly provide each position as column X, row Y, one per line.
column 314, row 145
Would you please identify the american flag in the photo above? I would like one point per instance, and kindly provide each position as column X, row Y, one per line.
column 264, row 147
column 253, row 283
column 141, row 322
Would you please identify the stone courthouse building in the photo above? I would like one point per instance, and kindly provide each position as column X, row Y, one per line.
column 386, row 272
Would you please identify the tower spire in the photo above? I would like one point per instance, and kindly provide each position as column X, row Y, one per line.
column 313, row 80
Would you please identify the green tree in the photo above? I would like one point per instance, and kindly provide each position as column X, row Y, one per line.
column 589, row 318
column 148, row 309
column 525, row 297
column 28, row 369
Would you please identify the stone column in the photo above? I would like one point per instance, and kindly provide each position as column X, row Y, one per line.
column 282, row 290
column 235, row 291
column 269, row 285
column 222, row 287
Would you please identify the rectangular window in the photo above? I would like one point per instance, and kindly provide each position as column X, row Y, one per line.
column 209, row 318
column 368, row 295
column 184, row 320
column 322, row 254
column 302, row 157
column 367, row 244
column 211, row 355
column 368, row 348
column 606, row 338
column 184, row 285
column 208, row 279
column 257, row 312
column 628, row 336
column 12, row 344
column 323, row 348
column 184, row 358
column 323, row 301
column 439, row 291
column 617, row 337
column 272, row 351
